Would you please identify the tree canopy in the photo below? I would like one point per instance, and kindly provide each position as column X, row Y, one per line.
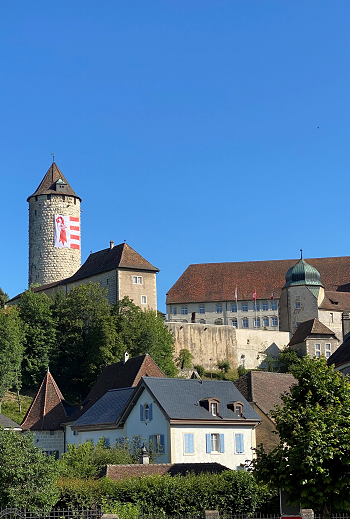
column 312, row 460
column 3, row 298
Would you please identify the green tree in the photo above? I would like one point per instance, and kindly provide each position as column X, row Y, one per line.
column 3, row 298
column 86, row 338
column 184, row 360
column 27, row 476
column 11, row 350
column 312, row 460
column 286, row 359
column 143, row 331
column 224, row 366
column 40, row 334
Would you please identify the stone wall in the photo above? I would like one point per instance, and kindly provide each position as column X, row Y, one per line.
column 107, row 280
column 50, row 442
column 135, row 291
column 48, row 263
column 210, row 344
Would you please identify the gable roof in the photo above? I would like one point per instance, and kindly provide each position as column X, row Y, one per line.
column 336, row 301
column 218, row 281
column 47, row 185
column 107, row 409
column 119, row 375
column 308, row 328
column 120, row 256
column 341, row 354
column 188, row 393
column 265, row 388
column 7, row 423
column 48, row 409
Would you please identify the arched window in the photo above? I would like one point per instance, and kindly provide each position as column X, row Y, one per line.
column 235, row 323
column 146, row 412
column 266, row 321
column 274, row 321
column 257, row 322
column 245, row 323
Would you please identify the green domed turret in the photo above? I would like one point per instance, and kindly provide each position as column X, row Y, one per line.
column 303, row 274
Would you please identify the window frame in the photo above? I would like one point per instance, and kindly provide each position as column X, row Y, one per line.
column 245, row 321
column 297, row 305
column 274, row 320
column 184, row 310
column 218, row 309
column 144, row 300
column 265, row 306
column 317, row 350
column 274, row 306
column 244, row 307
column 202, row 309
column 234, row 308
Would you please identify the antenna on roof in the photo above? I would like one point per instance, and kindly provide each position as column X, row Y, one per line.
column 301, row 253
column 53, row 157
column 48, row 369
column 124, row 240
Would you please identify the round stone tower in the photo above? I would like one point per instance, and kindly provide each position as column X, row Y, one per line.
column 54, row 230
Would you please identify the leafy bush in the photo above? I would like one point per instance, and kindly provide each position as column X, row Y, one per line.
column 224, row 365
column 200, row 370
column 230, row 492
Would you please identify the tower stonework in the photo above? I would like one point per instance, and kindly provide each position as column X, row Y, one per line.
column 47, row 261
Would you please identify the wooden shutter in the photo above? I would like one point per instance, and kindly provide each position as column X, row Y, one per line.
column 222, row 443
column 141, row 412
column 208, row 442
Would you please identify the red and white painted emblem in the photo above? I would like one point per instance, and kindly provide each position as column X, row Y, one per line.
column 67, row 232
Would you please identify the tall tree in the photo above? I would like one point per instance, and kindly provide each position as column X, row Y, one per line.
column 40, row 333
column 11, row 350
column 3, row 298
column 143, row 331
column 27, row 476
column 86, row 339
column 312, row 460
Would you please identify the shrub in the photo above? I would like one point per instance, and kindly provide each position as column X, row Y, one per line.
column 200, row 370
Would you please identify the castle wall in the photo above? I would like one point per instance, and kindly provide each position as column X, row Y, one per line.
column 107, row 280
column 48, row 263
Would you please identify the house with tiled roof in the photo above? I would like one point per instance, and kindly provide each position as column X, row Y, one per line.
column 118, row 376
column 313, row 338
column 45, row 416
column 263, row 390
column 341, row 357
column 184, row 420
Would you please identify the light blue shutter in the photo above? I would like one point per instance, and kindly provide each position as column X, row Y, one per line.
column 208, row 441
column 162, row 445
column 150, row 414
column 141, row 412
column 239, row 443
column 222, row 443
column 189, row 443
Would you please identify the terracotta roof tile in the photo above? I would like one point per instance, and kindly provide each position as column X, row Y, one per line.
column 217, row 281
column 117, row 472
column 48, row 409
column 309, row 328
column 337, row 301
column 47, row 185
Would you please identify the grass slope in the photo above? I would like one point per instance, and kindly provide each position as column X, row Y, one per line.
column 9, row 406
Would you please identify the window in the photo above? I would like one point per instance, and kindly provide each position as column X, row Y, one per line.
column 202, row 321
column 238, row 409
column 35, row 212
column 265, row 306
column 146, row 413
column 266, row 321
column 214, row 409
column 328, row 350
column 75, row 433
column 215, row 442
column 244, row 307
column 156, row 443
column 188, row 443
column 48, row 197
column 143, row 300
column 218, row 309
column 202, row 309
column 239, row 443
column 297, row 324
column 184, row 310
column 174, row 311
column 257, row 306
column 36, row 198
column 297, row 305
column 245, row 323
column 317, row 350
column 52, row 453
column 331, row 317
column 106, row 442
column 273, row 305
column 274, row 321
column 234, row 308
column 137, row 280
column 52, row 433
column 257, row 322
column 234, row 323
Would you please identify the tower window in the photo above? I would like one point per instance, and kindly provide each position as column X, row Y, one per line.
column 35, row 212
column 49, row 197
column 297, row 305
column 75, row 201
column 36, row 198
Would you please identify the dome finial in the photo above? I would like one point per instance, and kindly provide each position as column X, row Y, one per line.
column 301, row 253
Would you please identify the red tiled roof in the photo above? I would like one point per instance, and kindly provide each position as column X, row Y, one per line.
column 47, row 185
column 118, row 472
column 308, row 328
column 119, row 375
column 337, row 301
column 265, row 388
column 217, row 281
column 48, row 409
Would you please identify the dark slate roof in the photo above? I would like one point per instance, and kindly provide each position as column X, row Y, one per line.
column 217, row 281
column 120, row 256
column 7, row 423
column 341, row 354
column 119, row 375
column 106, row 410
column 265, row 388
column 48, row 409
column 308, row 328
column 336, row 301
column 47, row 185
column 179, row 398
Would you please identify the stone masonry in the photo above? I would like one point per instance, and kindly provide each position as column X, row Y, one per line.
column 48, row 263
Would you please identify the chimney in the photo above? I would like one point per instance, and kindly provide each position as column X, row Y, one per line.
column 111, row 244
column 345, row 319
column 126, row 357
column 144, row 456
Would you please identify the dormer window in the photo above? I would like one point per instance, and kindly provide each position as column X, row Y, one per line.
column 146, row 412
column 237, row 408
column 61, row 186
column 211, row 404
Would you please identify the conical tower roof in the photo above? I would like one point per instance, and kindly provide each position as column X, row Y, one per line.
column 303, row 274
column 48, row 409
column 47, row 185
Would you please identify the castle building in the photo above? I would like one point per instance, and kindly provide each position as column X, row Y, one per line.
column 54, row 229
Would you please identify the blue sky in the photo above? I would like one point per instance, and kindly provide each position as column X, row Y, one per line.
column 188, row 127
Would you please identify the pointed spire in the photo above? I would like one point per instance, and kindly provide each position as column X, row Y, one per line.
column 47, row 185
